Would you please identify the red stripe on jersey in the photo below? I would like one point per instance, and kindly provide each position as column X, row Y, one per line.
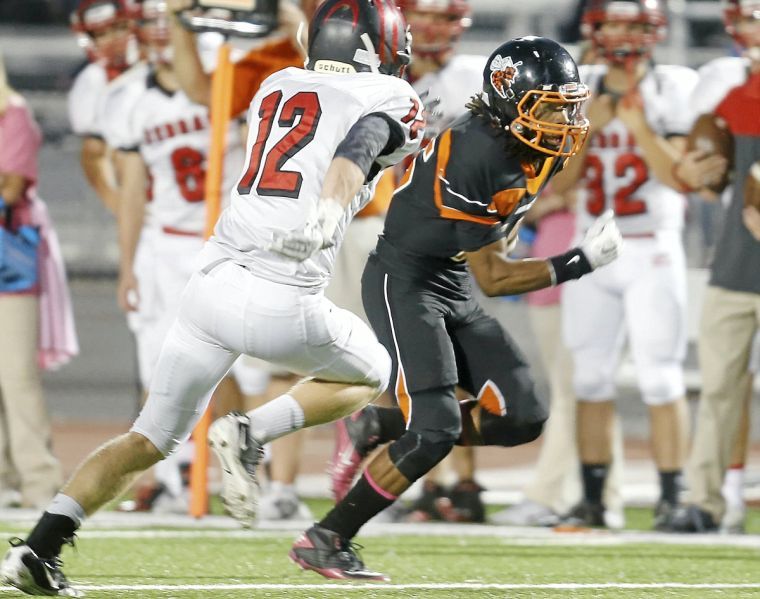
column 198, row 123
column 183, row 126
column 169, row 130
column 381, row 11
column 159, row 135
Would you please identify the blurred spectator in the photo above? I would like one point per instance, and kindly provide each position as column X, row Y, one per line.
column 636, row 137
column 36, row 323
column 728, row 97
column 104, row 30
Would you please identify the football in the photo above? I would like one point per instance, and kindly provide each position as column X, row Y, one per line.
column 752, row 186
column 711, row 135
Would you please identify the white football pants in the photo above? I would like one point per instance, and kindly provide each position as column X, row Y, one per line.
column 227, row 311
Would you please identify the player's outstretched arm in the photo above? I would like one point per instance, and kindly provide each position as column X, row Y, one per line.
column 347, row 173
column 193, row 80
column 497, row 275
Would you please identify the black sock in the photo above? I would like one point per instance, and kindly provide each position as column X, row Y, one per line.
column 594, row 476
column 392, row 424
column 360, row 505
column 670, row 486
column 50, row 533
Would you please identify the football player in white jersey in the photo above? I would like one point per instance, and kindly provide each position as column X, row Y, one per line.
column 104, row 29
column 317, row 140
column 638, row 124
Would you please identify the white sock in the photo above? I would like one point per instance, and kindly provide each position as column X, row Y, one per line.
column 276, row 419
column 64, row 505
column 733, row 487
column 279, row 488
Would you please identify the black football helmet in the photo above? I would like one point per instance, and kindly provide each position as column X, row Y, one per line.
column 534, row 90
column 650, row 15
column 355, row 36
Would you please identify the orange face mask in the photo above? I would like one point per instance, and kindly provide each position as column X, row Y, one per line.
column 560, row 135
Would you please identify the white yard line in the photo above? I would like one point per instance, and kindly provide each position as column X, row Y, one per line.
column 348, row 586
column 132, row 526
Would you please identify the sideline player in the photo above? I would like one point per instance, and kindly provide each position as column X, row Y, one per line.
column 105, row 31
column 317, row 137
column 727, row 98
column 162, row 139
column 637, row 135
column 464, row 194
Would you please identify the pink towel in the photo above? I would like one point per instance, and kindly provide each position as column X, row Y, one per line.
column 57, row 342
column 554, row 234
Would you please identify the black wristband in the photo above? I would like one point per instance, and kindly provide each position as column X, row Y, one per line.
column 570, row 265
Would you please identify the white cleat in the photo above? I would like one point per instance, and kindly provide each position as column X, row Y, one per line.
column 283, row 505
column 239, row 455
column 526, row 513
column 21, row 568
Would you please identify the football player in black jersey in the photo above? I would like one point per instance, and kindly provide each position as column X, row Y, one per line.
column 454, row 212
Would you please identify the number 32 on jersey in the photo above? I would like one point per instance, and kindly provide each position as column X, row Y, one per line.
column 630, row 172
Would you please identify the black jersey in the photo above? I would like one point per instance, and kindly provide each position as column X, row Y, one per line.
column 464, row 191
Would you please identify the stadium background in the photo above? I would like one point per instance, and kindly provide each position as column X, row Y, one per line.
column 96, row 394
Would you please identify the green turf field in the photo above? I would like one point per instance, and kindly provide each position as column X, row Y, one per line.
column 441, row 561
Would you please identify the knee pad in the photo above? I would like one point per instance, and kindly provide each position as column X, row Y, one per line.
column 591, row 384
column 506, row 432
column 661, row 383
column 415, row 454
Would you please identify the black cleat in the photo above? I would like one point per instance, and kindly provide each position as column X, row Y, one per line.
column 330, row 555
column 466, row 503
column 663, row 513
column 432, row 504
column 21, row 568
column 690, row 519
column 356, row 436
column 584, row 515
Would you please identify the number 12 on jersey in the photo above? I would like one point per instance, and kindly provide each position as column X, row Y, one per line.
column 275, row 180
